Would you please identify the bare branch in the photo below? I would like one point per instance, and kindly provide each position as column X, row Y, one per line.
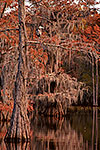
column 3, row 10
column 48, row 44
column 65, row 48
column 9, row 30
column 34, row 2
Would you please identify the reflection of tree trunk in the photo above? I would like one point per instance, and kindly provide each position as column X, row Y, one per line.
column 19, row 128
column 93, row 123
column 93, row 80
column 96, row 82
column 95, row 114
column 96, row 129
column 48, row 145
column 87, row 145
column 13, row 146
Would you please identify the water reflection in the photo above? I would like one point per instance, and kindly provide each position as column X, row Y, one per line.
column 54, row 134
column 17, row 146
column 95, row 127
column 78, row 131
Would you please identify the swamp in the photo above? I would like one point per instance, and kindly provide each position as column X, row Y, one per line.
column 49, row 75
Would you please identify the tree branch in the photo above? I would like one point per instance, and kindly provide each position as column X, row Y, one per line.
column 9, row 30
column 48, row 44
column 3, row 10
column 65, row 48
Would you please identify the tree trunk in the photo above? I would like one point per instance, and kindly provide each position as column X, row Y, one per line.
column 96, row 82
column 93, row 80
column 69, row 59
column 19, row 127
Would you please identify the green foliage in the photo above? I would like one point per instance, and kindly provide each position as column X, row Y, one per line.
column 86, row 77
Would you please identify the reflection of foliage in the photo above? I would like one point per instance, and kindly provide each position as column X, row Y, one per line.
column 55, row 131
column 78, row 122
column 82, row 121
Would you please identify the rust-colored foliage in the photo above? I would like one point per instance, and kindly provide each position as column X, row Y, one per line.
column 8, row 107
column 65, row 23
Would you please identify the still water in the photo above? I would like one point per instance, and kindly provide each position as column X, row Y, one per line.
column 80, row 130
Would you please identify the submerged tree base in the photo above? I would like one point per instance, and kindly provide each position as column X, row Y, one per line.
column 19, row 129
column 20, row 145
column 16, row 140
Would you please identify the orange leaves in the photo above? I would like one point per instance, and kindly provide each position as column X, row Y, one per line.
column 93, row 29
column 9, row 2
column 61, row 70
column 85, row 4
column 4, row 36
column 60, row 62
column 88, row 30
column 55, row 39
column 40, row 51
column 98, row 52
column 97, row 28
column 85, row 38
column 37, row 62
column 6, row 107
column 46, row 94
column 93, row 49
column 34, row 52
column 39, row 57
column 99, row 40
column 2, row 93
column 34, row 34
column 41, row 65
column 40, row 94
column 45, row 58
column 2, row 134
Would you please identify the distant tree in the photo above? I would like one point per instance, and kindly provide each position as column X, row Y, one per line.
column 91, row 35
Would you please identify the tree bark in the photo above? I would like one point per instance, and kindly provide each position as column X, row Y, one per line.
column 69, row 59
column 93, row 80
column 96, row 82
column 19, row 127
column 3, row 10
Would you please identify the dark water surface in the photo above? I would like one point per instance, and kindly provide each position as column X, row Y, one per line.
column 80, row 130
